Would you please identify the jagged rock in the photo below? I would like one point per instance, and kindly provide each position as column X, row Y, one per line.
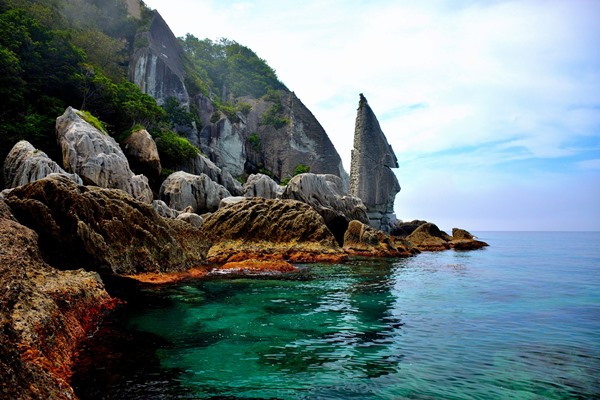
column 260, row 185
column 25, row 164
column 103, row 229
column 191, row 218
column 325, row 193
column 403, row 229
column 96, row 157
column 463, row 240
column 181, row 190
column 202, row 165
column 164, row 210
column 157, row 66
column 362, row 240
column 140, row 149
column 428, row 237
column 265, row 229
column 44, row 313
column 371, row 177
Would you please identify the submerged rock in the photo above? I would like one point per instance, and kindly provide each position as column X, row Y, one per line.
column 96, row 157
column 44, row 313
column 362, row 240
column 182, row 190
column 371, row 177
column 325, row 193
column 265, row 229
column 25, row 164
column 103, row 229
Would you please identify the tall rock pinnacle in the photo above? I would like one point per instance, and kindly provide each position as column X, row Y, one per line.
column 371, row 177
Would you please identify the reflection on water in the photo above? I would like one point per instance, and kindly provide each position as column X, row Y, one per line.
column 450, row 325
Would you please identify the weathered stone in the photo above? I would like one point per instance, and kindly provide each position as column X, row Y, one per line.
column 140, row 149
column 103, row 229
column 261, row 185
column 325, row 193
column 265, row 229
column 362, row 240
column 193, row 219
column 371, row 177
column 231, row 200
column 202, row 165
column 96, row 157
column 463, row 240
column 164, row 210
column 403, row 229
column 181, row 190
column 44, row 313
column 428, row 237
column 24, row 164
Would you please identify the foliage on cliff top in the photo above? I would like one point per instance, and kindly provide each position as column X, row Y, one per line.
column 227, row 69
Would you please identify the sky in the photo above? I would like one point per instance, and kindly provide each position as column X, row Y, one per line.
column 492, row 107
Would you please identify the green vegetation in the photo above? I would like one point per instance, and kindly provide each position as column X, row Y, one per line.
column 178, row 115
column 174, row 149
column 300, row 169
column 90, row 119
column 274, row 117
column 225, row 69
column 254, row 141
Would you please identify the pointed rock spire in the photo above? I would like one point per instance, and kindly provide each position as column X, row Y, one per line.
column 371, row 177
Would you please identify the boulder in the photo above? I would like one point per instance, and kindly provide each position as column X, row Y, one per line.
column 464, row 240
column 202, row 165
column 164, row 210
column 261, row 185
column 325, row 193
column 103, row 229
column 363, row 240
column 265, row 229
column 193, row 219
column 44, row 314
column 140, row 149
column 371, row 177
column 25, row 164
column 405, row 228
column 96, row 157
column 428, row 237
column 181, row 190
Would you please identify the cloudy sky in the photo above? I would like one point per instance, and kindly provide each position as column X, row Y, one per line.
column 492, row 106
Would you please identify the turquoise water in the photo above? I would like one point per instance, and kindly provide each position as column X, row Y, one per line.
column 517, row 320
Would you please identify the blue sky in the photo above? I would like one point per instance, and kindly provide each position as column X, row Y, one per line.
column 492, row 107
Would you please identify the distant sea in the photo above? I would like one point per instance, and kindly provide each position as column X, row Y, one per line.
column 517, row 320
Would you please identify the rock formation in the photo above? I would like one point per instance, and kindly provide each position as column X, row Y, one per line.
column 371, row 177
column 181, row 190
column 363, row 240
column 428, row 237
column 264, row 229
column 203, row 165
column 261, row 185
column 326, row 194
column 103, row 229
column 25, row 164
column 44, row 313
column 96, row 157
column 157, row 65
column 142, row 154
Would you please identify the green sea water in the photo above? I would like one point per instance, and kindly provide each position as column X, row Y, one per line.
column 517, row 320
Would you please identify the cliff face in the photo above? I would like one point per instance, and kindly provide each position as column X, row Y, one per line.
column 371, row 177
column 156, row 66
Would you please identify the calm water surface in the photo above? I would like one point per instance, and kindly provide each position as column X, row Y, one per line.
column 517, row 320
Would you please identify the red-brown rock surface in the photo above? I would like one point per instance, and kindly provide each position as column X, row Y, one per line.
column 44, row 313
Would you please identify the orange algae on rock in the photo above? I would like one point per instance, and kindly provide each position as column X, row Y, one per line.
column 158, row 278
column 254, row 265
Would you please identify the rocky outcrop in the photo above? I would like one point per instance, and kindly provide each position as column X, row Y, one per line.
column 96, row 157
column 428, row 237
column 44, row 313
column 142, row 154
column 156, row 67
column 371, row 177
column 103, row 229
column 405, row 228
column 264, row 229
column 181, row 190
column 202, row 165
column 325, row 194
column 261, row 185
column 164, row 210
column 25, row 164
column 362, row 240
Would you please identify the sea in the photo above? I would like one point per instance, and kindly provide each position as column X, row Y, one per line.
column 519, row 319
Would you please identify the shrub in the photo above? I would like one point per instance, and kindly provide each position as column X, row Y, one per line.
column 254, row 141
column 174, row 149
column 90, row 119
